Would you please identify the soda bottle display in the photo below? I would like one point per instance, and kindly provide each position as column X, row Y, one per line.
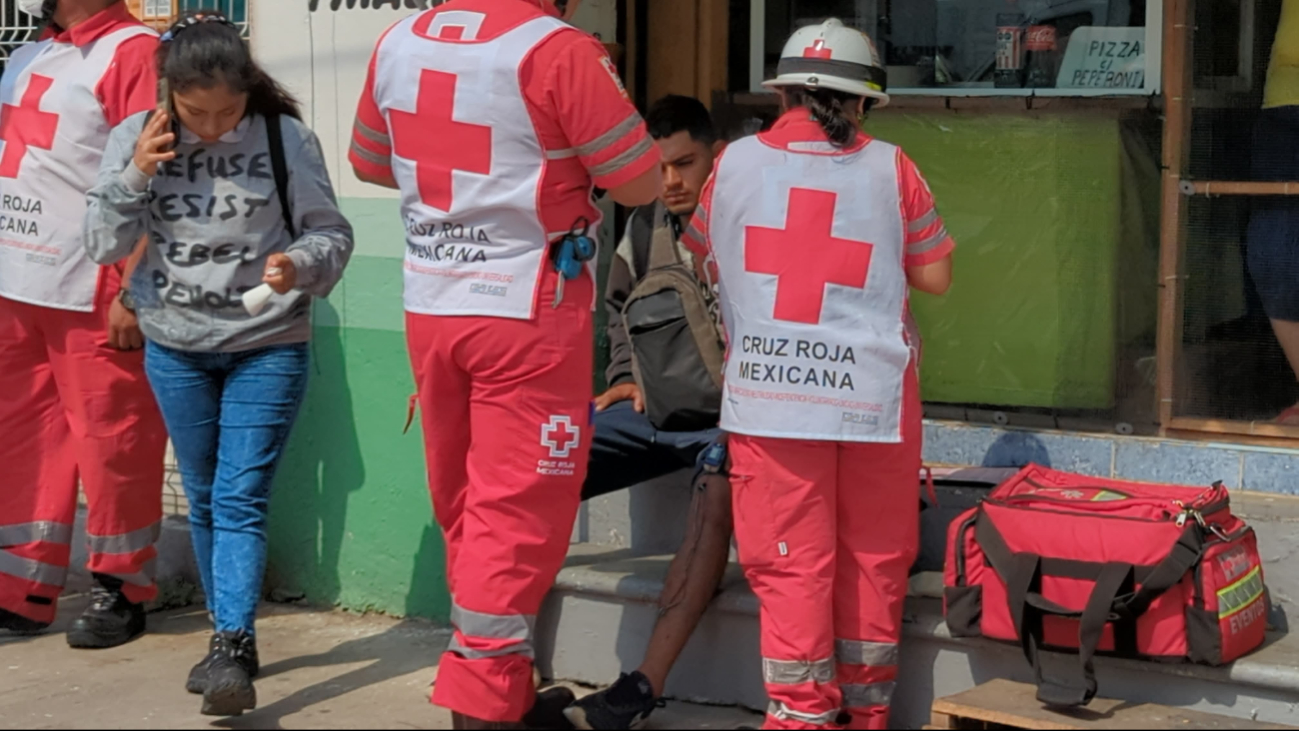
column 1009, row 73
column 1043, row 56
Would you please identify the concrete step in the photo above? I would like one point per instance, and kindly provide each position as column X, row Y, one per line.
column 598, row 620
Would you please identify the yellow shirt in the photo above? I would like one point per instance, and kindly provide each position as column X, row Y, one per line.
column 1283, row 76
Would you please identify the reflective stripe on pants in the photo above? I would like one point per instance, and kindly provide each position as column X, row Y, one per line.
column 510, row 634
column 787, row 715
column 780, row 672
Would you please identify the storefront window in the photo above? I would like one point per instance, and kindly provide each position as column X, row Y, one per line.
column 985, row 47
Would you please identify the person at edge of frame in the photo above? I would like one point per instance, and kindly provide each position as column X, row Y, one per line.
column 76, row 406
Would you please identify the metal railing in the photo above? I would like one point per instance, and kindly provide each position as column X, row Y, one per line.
column 16, row 28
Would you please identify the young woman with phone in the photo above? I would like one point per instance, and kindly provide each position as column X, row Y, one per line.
column 233, row 191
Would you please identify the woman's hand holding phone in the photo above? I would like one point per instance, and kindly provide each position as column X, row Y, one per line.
column 155, row 143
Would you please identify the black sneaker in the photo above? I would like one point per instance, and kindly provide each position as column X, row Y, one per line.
column 20, row 625
column 197, row 682
column 626, row 705
column 230, row 690
column 548, row 712
column 110, row 620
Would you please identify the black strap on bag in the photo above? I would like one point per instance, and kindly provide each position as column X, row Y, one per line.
column 280, row 169
column 1030, row 609
column 1115, row 601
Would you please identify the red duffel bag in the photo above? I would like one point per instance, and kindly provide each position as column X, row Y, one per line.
column 1079, row 564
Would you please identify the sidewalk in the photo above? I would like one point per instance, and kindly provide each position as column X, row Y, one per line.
column 326, row 670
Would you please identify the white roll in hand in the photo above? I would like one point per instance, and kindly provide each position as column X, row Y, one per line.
column 255, row 300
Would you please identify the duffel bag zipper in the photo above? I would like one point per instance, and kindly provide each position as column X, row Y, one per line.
column 1002, row 502
column 1182, row 516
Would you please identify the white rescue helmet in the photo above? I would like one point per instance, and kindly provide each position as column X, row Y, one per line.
column 833, row 56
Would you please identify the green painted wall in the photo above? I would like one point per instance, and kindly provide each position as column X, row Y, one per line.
column 1054, row 271
column 351, row 520
column 1045, row 249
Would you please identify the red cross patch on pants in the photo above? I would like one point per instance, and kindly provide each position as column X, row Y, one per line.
column 505, row 406
column 74, row 410
column 827, row 534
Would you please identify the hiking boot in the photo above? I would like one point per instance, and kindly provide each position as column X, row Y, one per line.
column 230, row 690
column 548, row 711
column 626, row 705
column 111, row 619
column 197, row 682
column 20, row 625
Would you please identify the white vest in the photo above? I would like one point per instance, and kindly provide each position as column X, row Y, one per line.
column 809, row 251
column 470, row 170
column 54, row 133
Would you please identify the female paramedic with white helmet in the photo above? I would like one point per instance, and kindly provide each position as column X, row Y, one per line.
column 815, row 233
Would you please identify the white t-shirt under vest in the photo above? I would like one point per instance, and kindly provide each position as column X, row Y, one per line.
column 52, row 137
column 475, row 241
column 809, row 246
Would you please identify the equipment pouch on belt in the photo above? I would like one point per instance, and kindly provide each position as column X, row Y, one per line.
column 1052, row 560
column 677, row 345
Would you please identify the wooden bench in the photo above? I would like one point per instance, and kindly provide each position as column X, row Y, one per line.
column 1002, row 704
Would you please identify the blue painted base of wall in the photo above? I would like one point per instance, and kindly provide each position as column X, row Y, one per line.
column 1260, row 469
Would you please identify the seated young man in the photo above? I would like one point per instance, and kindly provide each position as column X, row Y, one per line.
column 627, row 450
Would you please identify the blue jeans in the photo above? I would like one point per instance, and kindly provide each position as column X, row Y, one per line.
column 627, row 450
column 1272, row 250
column 229, row 416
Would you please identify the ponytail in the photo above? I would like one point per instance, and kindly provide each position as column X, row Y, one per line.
column 833, row 110
column 203, row 49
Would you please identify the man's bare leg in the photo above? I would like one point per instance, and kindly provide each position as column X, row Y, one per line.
column 691, row 585
column 693, row 578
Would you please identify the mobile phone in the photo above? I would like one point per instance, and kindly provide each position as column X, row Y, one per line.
column 165, row 103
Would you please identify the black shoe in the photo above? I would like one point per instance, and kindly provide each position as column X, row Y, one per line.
column 626, row 705
column 548, row 711
column 20, row 625
column 229, row 690
column 197, row 682
column 110, row 620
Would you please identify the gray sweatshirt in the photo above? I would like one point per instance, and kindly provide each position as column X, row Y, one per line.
column 213, row 217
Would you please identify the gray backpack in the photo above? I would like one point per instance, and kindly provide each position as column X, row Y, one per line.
column 677, row 345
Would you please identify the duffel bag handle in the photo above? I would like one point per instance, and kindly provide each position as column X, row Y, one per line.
column 1029, row 609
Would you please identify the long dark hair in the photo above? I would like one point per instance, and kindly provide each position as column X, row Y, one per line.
column 204, row 49
column 830, row 109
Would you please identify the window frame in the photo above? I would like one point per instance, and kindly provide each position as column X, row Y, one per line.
column 1154, row 64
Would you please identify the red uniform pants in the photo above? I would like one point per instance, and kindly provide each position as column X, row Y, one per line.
column 506, row 409
column 74, row 410
column 827, row 533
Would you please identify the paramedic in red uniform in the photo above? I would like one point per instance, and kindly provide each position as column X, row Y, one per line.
column 496, row 119
column 817, row 233
column 74, row 403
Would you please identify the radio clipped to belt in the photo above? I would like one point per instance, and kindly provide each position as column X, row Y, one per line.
column 570, row 255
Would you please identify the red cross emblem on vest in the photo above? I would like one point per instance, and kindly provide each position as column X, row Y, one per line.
column 560, row 436
column 439, row 145
column 25, row 126
column 805, row 256
column 817, row 50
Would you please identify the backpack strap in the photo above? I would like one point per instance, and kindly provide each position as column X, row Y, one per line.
column 280, row 169
column 663, row 242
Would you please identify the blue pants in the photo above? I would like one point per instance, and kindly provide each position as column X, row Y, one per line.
column 1273, row 239
column 229, row 416
column 627, row 450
